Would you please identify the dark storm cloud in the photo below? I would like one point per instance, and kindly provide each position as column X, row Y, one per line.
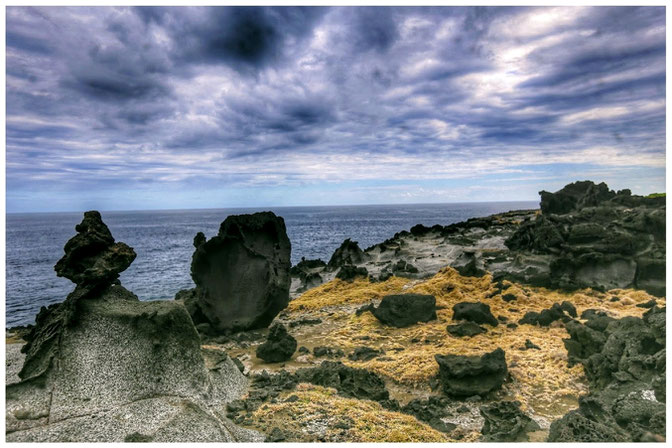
column 279, row 95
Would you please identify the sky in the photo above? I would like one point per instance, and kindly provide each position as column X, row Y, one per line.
column 127, row 108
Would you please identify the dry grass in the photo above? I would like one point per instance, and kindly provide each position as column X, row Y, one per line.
column 541, row 379
column 319, row 409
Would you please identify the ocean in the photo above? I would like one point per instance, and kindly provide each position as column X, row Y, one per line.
column 163, row 242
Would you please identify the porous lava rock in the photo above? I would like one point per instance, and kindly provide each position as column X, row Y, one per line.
column 349, row 272
column 279, row 345
column 465, row 329
column 466, row 376
column 242, row 274
column 503, row 421
column 349, row 253
column 476, row 312
column 350, row 382
column 404, row 310
column 105, row 367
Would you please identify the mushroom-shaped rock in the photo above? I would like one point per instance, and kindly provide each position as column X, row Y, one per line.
column 279, row 346
column 242, row 274
column 465, row 376
column 404, row 310
column 476, row 312
column 92, row 257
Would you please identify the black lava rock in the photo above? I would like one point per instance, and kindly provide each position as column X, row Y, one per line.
column 465, row 329
column 279, row 346
column 476, row 312
column 404, row 310
column 505, row 422
column 464, row 376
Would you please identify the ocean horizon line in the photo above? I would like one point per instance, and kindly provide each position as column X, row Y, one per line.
column 262, row 207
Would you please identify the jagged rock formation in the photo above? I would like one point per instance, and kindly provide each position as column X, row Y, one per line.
column 349, row 253
column 465, row 376
column 505, row 422
column 585, row 236
column 278, row 347
column 558, row 311
column 104, row 366
column 625, row 365
column 404, row 310
column 241, row 274
column 598, row 238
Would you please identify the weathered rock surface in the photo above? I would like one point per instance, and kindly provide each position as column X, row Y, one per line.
column 431, row 411
column 505, row 422
column 585, row 236
column 242, row 273
column 104, row 366
column 564, row 312
column 466, row 376
column 348, row 254
column 279, row 346
column 465, row 329
column 476, row 312
column 350, row 382
column 349, row 272
column 624, row 362
column 404, row 310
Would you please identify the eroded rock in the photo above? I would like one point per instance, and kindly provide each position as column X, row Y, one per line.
column 404, row 310
column 279, row 345
column 465, row 376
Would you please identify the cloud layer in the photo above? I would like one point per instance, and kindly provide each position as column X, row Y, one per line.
column 149, row 107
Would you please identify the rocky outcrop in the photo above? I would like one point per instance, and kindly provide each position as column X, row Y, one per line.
column 595, row 237
column 349, row 272
column 278, row 347
column 348, row 253
column 476, row 312
column 505, row 422
column 104, row 366
column 242, row 274
column 348, row 381
column 466, row 376
column 431, row 411
column 558, row 311
column 404, row 310
column 625, row 366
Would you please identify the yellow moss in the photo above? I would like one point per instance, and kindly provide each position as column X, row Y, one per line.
column 541, row 378
column 370, row 421
column 339, row 292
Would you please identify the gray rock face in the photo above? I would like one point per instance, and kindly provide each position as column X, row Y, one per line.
column 465, row 376
column 104, row 366
column 242, row 274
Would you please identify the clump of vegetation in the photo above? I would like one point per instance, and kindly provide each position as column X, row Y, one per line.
column 315, row 413
column 656, row 195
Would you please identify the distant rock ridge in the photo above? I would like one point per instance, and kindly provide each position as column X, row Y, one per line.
column 584, row 236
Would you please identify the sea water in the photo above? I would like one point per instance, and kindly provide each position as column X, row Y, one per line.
column 163, row 243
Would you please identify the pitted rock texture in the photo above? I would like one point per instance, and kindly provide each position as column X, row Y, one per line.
column 92, row 256
column 278, row 347
column 404, row 310
column 466, row 376
column 242, row 274
column 505, row 422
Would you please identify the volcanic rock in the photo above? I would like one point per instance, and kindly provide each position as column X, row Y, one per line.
column 349, row 272
column 548, row 316
column 350, row 382
column 404, row 310
column 279, row 346
column 465, row 329
column 329, row 352
column 430, row 411
column 242, row 274
column 476, row 312
column 505, row 422
column 92, row 257
column 465, row 376
column 348, row 253
column 364, row 354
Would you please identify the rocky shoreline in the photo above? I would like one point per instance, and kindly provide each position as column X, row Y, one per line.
column 443, row 333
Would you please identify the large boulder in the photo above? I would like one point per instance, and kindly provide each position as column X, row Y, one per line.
column 574, row 196
column 279, row 346
column 476, row 312
column 404, row 310
column 465, row 376
column 242, row 274
column 104, row 366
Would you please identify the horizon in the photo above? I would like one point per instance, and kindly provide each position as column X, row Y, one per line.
column 174, row 108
